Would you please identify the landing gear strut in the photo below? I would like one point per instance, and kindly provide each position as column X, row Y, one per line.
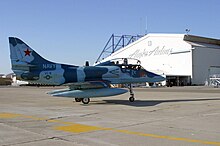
column 131, row 99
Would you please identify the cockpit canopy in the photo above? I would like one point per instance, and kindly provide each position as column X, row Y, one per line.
column 124, row 63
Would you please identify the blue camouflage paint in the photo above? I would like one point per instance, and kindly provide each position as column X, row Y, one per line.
column 94, row 73
column 70, row 73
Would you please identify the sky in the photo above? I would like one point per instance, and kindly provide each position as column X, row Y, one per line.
column 73, row 31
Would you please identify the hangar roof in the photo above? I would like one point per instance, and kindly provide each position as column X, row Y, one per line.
column 204, row 45
column 199, row 39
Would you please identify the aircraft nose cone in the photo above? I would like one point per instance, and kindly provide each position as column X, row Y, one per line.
column 159, row 78
column 155, row 77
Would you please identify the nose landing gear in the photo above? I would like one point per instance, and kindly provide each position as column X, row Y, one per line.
column 131, row 98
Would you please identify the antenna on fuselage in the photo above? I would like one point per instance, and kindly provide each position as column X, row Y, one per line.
column 87, row 63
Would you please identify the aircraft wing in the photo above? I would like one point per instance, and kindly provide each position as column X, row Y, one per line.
column 87, row 85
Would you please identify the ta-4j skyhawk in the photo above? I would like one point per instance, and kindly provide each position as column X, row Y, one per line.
column 84, row 82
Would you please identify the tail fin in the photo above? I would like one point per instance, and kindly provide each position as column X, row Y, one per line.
column 22, row 56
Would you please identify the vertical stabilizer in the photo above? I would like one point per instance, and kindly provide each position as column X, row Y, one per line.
column 22, row 56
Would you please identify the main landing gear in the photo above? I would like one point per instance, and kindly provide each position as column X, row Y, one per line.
column 78, row 99
column 131, row 98
column 83, row 100
column 87, row 100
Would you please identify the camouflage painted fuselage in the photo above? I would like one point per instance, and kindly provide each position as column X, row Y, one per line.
column 58, row 74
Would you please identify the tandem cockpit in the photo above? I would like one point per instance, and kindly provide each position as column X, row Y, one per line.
column 123, row 63
column 133, row 71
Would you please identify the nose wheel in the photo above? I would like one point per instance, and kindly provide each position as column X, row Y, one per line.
column 131, row 99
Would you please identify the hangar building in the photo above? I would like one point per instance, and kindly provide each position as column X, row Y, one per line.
column 183, row 59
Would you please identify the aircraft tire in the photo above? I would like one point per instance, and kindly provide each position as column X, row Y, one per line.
column 131, row 99
column 78, row 99
column 85, row 100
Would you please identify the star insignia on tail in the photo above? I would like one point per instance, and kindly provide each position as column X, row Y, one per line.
column 27, row 52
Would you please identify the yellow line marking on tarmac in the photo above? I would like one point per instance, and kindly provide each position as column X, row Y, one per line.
column 8, row 115
column 81, row 128
column 78, row 128
column 169, row 137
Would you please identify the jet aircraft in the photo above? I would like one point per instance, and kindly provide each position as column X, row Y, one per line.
column 84, row 82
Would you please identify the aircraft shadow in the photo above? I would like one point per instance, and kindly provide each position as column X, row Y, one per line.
column 143, row 103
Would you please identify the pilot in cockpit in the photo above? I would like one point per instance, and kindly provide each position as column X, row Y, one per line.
column 125, row 61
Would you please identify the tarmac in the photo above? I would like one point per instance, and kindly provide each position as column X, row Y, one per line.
column 183, row 116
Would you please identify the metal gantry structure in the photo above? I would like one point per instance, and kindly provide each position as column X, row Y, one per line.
column 115, row 43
